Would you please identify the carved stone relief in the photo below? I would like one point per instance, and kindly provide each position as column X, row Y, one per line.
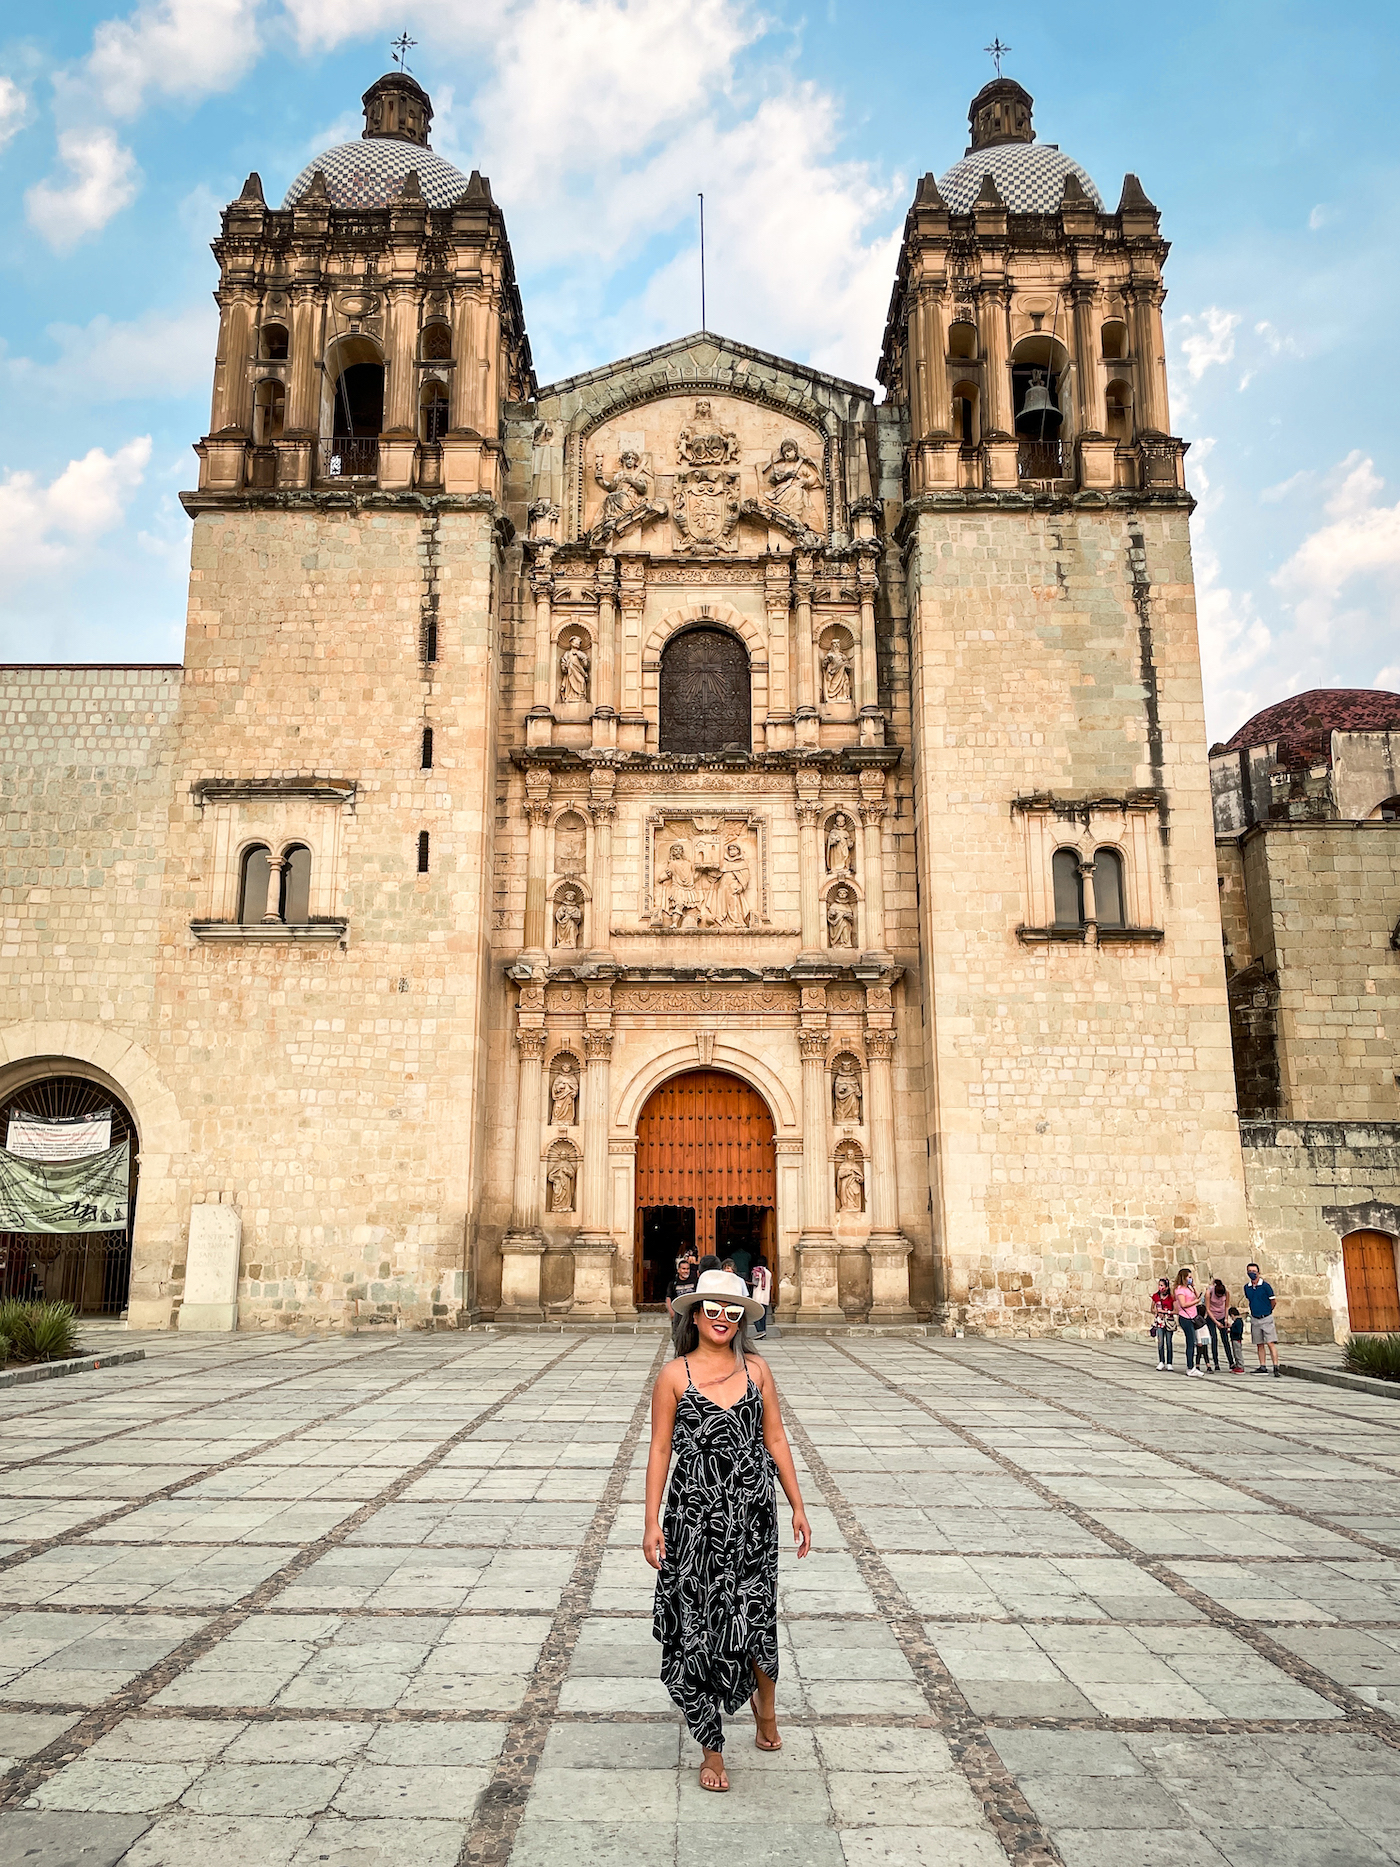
column 846, row 1099
column 837, row 666
column 840, row 845
column 575, row 668
column 570, row 844
column 841, row 917
column 562, row 1176
column 563, row 1091
column 628, row 502
column 706, row 504
column 850, row 1179
column 787, row 491
column 705, row 874
column 568, row 919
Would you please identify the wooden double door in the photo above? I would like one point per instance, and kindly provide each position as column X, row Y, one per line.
column 1373, row 1299
column 706, row 1176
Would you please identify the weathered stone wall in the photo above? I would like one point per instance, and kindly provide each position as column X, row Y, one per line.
column 1309, row 1185
column 333, row 1086
column 1082, row 1094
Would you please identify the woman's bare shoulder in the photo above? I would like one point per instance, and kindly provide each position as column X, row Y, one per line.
column 763, row 1374
column 672, row 1378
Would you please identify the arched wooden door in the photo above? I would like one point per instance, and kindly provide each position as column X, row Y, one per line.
column 1373, row 1299
column 705, row 1160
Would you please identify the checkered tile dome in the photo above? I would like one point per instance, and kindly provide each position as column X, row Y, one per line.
column 1030, row 178
column 370, row 173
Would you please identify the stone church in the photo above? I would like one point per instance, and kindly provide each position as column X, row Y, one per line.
column 698, row 801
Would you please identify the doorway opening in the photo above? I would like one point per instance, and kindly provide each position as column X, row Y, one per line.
column 1373, row 1297
column 706, row 1176
column 664, row 1232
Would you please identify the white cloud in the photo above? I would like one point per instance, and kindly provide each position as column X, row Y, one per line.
column 162, row 353
column 1388, row 678
column 182, row 47
column 14, row 110
column 1319, row 217
column 103, row 179
column 40, row 526
column 1356, row 555
column 1209, row 338
column 1278, row 343
column 1271, row 495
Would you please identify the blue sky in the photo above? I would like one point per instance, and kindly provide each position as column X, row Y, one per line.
column 1264, row 133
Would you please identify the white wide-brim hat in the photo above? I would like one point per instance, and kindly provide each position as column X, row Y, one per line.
column 718, row 1287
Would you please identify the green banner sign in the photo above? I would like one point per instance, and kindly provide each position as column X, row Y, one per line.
column 65, row 1195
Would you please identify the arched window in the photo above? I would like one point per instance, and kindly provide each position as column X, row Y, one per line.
column 437, row 343
column 296, row 885
column 1115, row 340
column 355, row 387
column 273, row 343
column 1037, row 364
column 1118, row 411
column 1389, row 811
column 705, row 693
column 965, row 415
column 1108, row 888
column 1069, row 888
column 252, row 891
column 962, row 338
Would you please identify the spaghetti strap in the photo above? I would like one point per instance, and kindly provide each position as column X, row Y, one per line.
column 689, row 1377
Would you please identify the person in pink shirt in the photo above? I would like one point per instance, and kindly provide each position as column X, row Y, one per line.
column 1217, row 1313
column 1163, row 1323
column 1187, row 1303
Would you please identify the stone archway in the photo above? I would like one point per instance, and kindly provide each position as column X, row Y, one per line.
column 705, row 1175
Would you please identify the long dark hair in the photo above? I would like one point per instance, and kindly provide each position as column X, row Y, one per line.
column 685, row 1335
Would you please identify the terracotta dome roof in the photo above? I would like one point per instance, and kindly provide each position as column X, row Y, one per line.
column 1303, row 724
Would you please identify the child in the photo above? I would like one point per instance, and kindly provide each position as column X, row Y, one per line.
column 1235, row 1339
column 1163, row 1323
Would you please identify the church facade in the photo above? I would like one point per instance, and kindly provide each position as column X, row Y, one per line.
column 701, row 800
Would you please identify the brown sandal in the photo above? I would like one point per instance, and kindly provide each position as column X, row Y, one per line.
column 761, row 1742
column 719, row 1786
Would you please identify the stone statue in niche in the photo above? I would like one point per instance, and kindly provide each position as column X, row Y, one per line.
column 562, row 1177
column 574, row 665
column 677, row 891
column 563, row 1094
column 840, row 846
column 569, row 845
column 841, row 918
column 568, row 919
column 731, row 896
column 836, row 673
column 628, row 499
column 846, row 1093
column 850, row 1184
column 786, row 486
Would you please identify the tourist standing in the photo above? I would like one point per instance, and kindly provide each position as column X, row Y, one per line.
column 683, row 1282
column 1217, row 1314
column 1187, row 1304
column 716, row 1611
column 1263, row 1331
column 761, row 1284
column 1163, row 1323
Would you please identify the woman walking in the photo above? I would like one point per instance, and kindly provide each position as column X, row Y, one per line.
column 716, row 1613
column 1163, row 1323
column 1187, row 1302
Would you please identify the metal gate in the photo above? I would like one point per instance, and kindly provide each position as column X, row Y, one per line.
column 90, row 1270
column 704, row 1145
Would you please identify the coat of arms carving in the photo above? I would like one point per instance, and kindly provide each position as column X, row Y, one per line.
column 706, row 502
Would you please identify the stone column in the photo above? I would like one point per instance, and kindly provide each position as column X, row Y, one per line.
column 934, row 357
column 231, row 401
column 810, row 863
column 632, row 594
column 888, row 1247
column 537, row 808
column 539, row 721
column 1089, row 409
column 523, row 1245
column 1145, row 324
column 398, row 440
column 997, row 414
column 872, row 721
column 605, row 657
column 276, row 869
column 817, row 1300
column 602, row 810
column 872, row 816
column 777, row 601
column 593, row 1246
column 808, row 719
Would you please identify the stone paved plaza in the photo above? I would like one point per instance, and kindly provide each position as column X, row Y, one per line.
column 368, row 1601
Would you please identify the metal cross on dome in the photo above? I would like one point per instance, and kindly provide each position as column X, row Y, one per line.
column 401, row 47
column 996, row 51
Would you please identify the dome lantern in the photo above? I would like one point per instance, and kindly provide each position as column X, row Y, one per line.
column 1000, row 113
column 397, row 107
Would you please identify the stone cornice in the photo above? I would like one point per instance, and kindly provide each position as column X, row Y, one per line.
column 347, row 499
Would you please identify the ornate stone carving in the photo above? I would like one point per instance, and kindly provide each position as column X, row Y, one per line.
column 575, row 667
column 568, row 919
column 706, row 444
column 841, row 918
column 786, row 487
column 706, row 874
column 706, row 504
column 628, row 503
column 597, row 1046
column 846, row 1099
column 562, row 1175
column 563, row 1092
column 570, row 844
column 543, row 514
column 840, row 845
column 837, row 667
column 850, row 1179
column 648, row 998
column 531, row 1042
column 812, row 1044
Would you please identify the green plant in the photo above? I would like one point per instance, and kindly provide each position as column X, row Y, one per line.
column 39, row 1331
column 1376, row 1355
column 4, row 1349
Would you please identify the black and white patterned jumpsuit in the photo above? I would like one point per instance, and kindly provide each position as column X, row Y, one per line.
column 716, row 1612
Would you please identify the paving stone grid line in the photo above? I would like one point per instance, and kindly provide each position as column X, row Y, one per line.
column 21, row 1782
column 1119, row 1772
column 1363, row 1715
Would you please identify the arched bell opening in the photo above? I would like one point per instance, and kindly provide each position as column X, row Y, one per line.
column 706, row 1176
column 354, row 419
column 269, row 413
column 432, row 412
column 75, row 1246
column 1037, row 369
column 1118, row 413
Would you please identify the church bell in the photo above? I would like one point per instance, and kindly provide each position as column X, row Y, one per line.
column 1039, row 403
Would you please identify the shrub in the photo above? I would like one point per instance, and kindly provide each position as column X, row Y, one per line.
column 4, row 1349
column 1376, row 1355
column 39, row 1331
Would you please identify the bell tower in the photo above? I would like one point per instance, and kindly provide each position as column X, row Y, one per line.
column 336, row 744
column 1081, row 1101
